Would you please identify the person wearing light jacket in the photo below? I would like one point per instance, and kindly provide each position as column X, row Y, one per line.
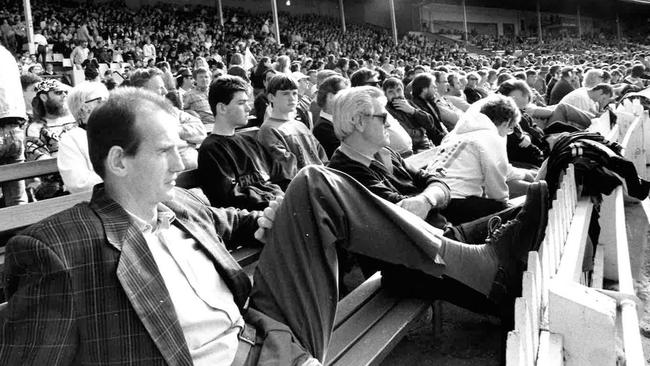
column 472, row 160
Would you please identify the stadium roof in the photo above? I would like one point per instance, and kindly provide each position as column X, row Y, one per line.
column 587, row 7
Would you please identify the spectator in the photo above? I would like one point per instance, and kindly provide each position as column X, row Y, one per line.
column 415, row 121
column 79, row 54
column 261, row 102
column 73, row 160
column 424, row 91
column 563, row 86
column 235, row 169
column 184, row 81
column 12, row 117
column 324, row 129
column 475, row 163
column 400, row 141
column 472, row 92
column 288, row 141
column 28, row 82
column 196, row 99
column 590, row 100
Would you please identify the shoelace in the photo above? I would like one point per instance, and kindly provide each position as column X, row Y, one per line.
column 493, row 225
column 497, row 231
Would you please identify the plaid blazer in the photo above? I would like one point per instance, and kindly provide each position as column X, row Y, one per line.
column 83, row 287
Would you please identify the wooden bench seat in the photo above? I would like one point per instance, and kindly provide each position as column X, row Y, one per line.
column 369, row 323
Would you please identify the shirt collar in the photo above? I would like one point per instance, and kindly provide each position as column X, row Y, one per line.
column 382, row 156
column 164, row 219
column 326, row 115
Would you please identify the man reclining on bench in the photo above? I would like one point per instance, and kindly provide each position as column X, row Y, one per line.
column 141, row 274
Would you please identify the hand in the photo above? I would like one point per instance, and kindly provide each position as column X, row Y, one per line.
column 265, row 222
column 525, row 141
column 417, row 205
column 530, row 176
column 403, row 105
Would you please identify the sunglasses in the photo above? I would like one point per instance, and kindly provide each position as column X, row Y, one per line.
column 98, row 99
column 60, row 92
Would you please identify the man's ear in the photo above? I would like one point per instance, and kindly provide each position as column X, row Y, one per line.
column 270, row 97
column 359, row 123
column 43, row 97
column 115, row 162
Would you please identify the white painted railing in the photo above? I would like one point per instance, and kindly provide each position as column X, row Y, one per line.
column 559, row 319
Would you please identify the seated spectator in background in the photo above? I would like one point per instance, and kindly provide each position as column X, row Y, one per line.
column 400, row 141
column 12, row 118
column 563, row 86
column 184, row 81
column 415, row 121
column 73, row 160
column 235, row 169
column 424, row 93
column 455, row 93
column 289, row 142
column 636, row 76
column 448, row 111
column 472, row 160
column 28, row 82
column 554, row 75
column 196, row 99
column 323, row 129
column 364, row 154
column 526, row 145
column 320, row 77
column 52, row 120
column 590, row 100
column 191, row 129
column 261, row 102
column 472, row 92
column 531, row 79
column 304, row 100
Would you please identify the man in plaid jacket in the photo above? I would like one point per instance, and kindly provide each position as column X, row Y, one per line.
column 141, row 275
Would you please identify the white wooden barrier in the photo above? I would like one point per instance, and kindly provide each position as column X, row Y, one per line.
column 559, row 320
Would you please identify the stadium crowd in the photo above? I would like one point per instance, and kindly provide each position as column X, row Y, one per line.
column 353, row 102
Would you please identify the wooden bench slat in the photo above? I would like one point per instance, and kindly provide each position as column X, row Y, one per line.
column 356, row 299
column 17, row 217
column 27, row 169
column 384, row 336
column 357, row 324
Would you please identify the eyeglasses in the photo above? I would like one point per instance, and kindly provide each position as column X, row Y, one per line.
column 98, row 99
column 472, row 79
column 383, row 116
column 60, row 92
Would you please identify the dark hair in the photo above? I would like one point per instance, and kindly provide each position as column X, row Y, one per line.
column 391, row 83
column 420, row 82
column 329, row 85
column 141, row 76
column 28, row 79
column 174, row 98
column 223, row 89
column 281, row 82
column 637, row 70
column 238, row 71
column 509, row 86
column 360, row 76
column 114, row 123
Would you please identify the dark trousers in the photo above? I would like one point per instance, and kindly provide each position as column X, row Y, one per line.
column 324, row 212
column 468, row 209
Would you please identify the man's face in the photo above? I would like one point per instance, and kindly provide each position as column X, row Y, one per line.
column 151, row 173
column 601, row 98
column 394, row 93
column 188, row 81
column 430, row 92
column 442, row 84
column 520, row 98
column 284, row 101
column 156, row 85
column 531, row 79
column 303, row 86
column 472, row 81
column 375, row 126
column 55, row 103
column 202, row 80
column 237, row 110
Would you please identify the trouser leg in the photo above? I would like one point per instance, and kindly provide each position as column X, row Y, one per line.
column 569, row 113
column 296, row 279
column 468, row 209
column 12, row 151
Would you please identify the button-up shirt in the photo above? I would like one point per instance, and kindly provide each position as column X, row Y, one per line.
column 204, row 304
